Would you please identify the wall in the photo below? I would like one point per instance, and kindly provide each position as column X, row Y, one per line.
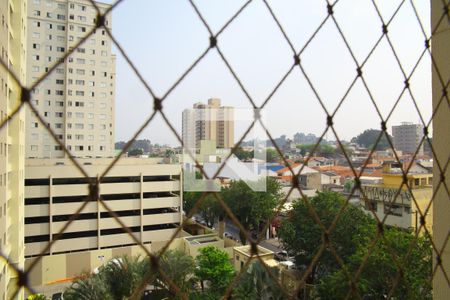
column 440, row 48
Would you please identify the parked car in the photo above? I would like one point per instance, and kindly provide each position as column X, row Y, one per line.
column 57, row 296
column 283, row 256
column 228, row 235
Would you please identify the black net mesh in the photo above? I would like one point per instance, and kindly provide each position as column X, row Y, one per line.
column 330, row 113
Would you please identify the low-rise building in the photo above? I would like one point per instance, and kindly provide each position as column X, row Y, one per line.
column 396, row 202
column 193, row 244
column 308, row 178
column 242, row 254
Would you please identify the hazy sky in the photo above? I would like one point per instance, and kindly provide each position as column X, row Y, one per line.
column 164, row 37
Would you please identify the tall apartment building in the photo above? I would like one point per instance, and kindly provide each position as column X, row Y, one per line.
column 77, row 98
column 208, row 122
column 407, row 137
column 145, row 194
column 12, row 138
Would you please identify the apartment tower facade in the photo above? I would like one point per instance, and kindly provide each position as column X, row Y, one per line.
column 12, row 139
column 209, row 121
column 407, row 137
column 77, row 99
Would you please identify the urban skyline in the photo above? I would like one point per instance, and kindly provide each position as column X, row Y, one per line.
column 73, row 211
column 261, row 64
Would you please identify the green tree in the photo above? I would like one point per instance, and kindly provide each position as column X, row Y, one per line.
column 378, row 275
column 302, row 236
column 256, row 283
column 242, row 154
column 272, row 155
column 368, row 138
column 321, row 150
column 214, row 267
column 209, row 209
column 179, row 267
column 252, row 208
column 115, row 280
column 135, row 152
column 120, row 277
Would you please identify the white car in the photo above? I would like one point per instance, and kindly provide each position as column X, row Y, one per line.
column 117, row 261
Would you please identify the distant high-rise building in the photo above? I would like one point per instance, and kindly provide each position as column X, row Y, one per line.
column 301, row 138
column 208, row 122
column 407, row 137
column 77, row 98
column 12, row 139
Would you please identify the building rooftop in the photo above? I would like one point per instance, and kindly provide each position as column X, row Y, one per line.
column 246, row 250
column 202, row 239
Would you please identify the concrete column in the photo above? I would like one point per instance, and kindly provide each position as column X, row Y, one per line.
column 141, row 199
column 50, row 210
column 440, row 46
column 99, row 206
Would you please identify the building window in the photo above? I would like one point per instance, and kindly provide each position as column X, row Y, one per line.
column 371, row 205
column 34, row 147
column 393, row 209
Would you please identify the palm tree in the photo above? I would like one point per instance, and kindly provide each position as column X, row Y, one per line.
column 120, row 277
column 179, row 267
column 116, row 280
column 256, row 283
